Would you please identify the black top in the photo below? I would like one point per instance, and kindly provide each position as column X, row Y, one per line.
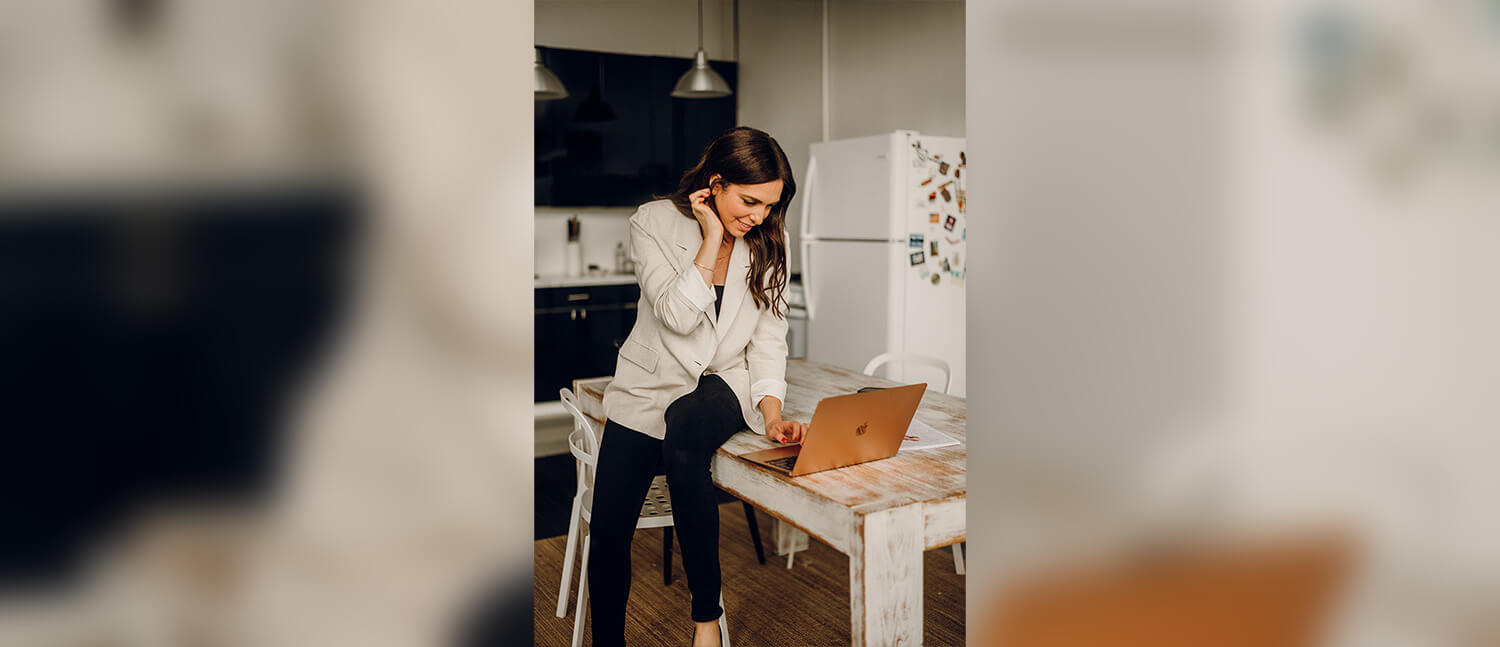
column 718, row 298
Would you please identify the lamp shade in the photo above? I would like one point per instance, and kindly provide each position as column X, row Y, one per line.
column 544, row 84
column 701, row 82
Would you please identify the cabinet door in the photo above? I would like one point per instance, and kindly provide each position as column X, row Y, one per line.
column 600, row 340
column 578, row 333
column 556, row 352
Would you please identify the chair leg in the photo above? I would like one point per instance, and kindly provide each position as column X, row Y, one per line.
column 568, row 555
column 666, row 556
column 723, row 623
column 789, row 555
column 958, row 558
column 583, row 596
column 760, row 553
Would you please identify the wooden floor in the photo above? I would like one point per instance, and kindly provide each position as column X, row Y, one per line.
column 768, row 605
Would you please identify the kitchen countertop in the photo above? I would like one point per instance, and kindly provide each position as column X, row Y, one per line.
column 557, row 281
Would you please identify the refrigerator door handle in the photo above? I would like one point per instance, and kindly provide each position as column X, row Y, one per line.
column 812, row 178
column 807, row 289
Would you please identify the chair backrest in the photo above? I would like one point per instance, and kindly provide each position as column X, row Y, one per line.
column 583, row 442
column 910, row 358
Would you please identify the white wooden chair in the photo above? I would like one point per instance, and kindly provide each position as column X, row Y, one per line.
column 656, row 512
column 929, row 362
column 911, row 359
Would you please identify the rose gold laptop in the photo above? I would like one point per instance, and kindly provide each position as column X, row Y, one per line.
column 847, row 430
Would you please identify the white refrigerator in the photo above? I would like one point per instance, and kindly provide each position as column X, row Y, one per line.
column 882, row 252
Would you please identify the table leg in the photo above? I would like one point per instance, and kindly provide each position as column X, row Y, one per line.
column 885, row 578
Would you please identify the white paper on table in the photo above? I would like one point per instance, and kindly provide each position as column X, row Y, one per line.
column 927, row 437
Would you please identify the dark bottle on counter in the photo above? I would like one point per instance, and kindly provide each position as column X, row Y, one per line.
column 573, row 251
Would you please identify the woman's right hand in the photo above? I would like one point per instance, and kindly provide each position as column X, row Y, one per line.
column 786, row 431
column 708, row 221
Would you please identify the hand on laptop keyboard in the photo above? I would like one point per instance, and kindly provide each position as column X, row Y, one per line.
column 786, row 431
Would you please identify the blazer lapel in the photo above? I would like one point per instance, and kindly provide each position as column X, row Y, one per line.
column 734, row 286
column 688, row 238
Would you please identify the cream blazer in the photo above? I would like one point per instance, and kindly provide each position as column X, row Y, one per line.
column 677, row 338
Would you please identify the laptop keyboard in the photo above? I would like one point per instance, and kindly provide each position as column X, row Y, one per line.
column 783, row 463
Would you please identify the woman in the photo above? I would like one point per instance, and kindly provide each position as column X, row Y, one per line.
column 706, row 358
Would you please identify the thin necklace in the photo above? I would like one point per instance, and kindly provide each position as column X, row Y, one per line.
column 723, row 259
column 721, row 262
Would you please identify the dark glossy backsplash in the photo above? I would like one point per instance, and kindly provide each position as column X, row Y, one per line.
column 619, row 137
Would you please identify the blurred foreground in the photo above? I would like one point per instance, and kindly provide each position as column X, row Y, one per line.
column 260, row 383
column 1238, row 265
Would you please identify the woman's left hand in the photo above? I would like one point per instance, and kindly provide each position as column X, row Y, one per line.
column 786, row 431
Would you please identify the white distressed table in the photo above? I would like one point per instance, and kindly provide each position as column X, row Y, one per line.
column 881, row 514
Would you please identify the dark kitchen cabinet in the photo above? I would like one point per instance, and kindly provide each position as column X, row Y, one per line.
column 578, row 333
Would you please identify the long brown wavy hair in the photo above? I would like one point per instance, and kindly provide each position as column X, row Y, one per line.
column 743, row 155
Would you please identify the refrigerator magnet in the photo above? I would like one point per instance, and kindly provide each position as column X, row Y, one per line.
column 943, row 168
column 927, row 181
column 958, row 173
column 933, row 250
column 947, row 197
column 934, row 217
column 948, row 224
column 946, row 266
column 935, row 277
column 918, row 258
column 962, row 161
column 914, row 240
column 921, row 154
column 932, row 196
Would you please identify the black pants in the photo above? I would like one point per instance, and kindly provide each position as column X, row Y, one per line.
column 697, row 424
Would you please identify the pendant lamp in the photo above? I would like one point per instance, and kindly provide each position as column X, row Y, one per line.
column 544, row 84
column 701, row 82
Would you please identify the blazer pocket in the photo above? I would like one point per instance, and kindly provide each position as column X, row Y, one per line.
column 639, row 354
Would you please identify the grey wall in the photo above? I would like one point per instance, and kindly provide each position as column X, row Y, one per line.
column 896, row 65
column 644, row 27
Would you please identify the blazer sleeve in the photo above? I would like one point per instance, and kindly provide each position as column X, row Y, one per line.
column 679, row 298
column 766, row 355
